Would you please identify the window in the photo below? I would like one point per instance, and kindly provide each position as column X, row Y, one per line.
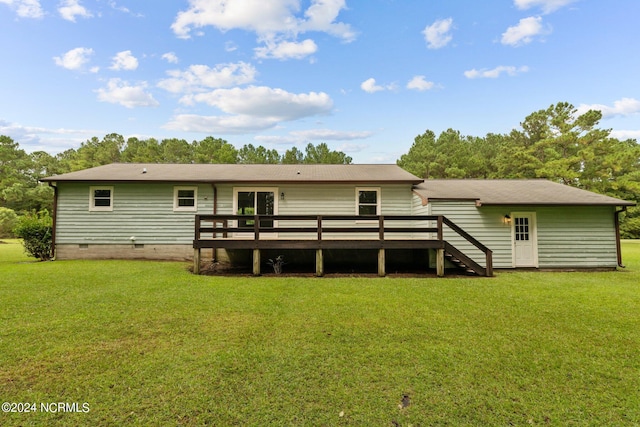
column 101, row 199
column 522, row 228
column 367, row 201
column 185, row 199
column 255, row 201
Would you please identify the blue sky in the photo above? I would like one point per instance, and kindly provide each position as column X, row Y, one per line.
column 364, row 76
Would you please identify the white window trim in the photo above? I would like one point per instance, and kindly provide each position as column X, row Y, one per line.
column 273, row 190
column 92, row 206
column 378, row 201
column 177, row 207
column 276, row 199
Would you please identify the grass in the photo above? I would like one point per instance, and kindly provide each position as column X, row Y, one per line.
column 148, row 343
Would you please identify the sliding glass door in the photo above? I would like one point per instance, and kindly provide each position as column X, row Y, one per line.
column 252, row 202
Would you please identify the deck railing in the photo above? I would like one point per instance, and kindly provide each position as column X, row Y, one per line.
column 333, row 232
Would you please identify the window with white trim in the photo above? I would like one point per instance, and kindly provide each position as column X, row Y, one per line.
column 367, row 201
column 185, row 199
column 255, row 201
column 100, row 199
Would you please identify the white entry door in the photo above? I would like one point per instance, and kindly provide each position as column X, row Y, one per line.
column 525, row 241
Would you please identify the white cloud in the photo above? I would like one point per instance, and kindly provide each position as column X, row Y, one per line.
column 524, row 32
column 33, row 138
column 25, row 8
column 438, row 34
column 219, row 124
column 198, row 78
column 547, row 6
column 495, row 73
column 170, row 57
column 622, row 107
column 304, row 136
column 74, row 59
column 420, row 83
column 330, row 135
column 262, row 101
column 625, row 134
column 251, row 109
column 263, row 17
column 286, row 50
column 277, row 23
column 124, row 61
column 352, row 148
column 121, row 92
column 321, row 16
column 69, row 9
column 370, row 86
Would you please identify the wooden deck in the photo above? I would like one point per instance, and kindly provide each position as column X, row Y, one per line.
column 320, row 232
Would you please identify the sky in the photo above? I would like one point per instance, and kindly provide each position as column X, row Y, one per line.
column 363, row 76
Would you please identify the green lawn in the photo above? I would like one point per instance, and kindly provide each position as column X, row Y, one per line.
column 148, row 343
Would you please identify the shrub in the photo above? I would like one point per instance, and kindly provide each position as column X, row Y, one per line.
column 8, row 220
column 36, row 230
column 630, row 224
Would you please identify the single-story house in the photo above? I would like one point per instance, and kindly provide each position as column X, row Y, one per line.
column 175, row 211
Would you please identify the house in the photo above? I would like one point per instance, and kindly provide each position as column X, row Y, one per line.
column 345, row 214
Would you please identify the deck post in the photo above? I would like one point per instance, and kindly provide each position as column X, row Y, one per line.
column 440, row 262
column 256, row 262
column 381, row 263
column 196, row 261
column 319, row 263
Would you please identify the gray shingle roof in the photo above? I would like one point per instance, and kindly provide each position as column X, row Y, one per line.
column 233, row 173
column 512, row 192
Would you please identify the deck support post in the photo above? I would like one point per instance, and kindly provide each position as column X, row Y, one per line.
column 256, row 262
column 440, row 262
column 319, row 263
column 381, row 263
column 196, row 261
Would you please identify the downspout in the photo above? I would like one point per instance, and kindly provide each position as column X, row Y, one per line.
column 617, row 225
column 215, row 198
column 55, row 218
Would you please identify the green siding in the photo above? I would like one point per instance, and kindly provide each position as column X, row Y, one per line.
column 141, row 210
column 485, row 225
column 577, row 237
column 325, row 199
column 568, row 237
column 146, row 210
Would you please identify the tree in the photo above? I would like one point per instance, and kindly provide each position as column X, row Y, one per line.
column 555, row 144
column 176, row 151
column 8, row 221
column 293, row 156
column 141, row 151
column 421, row 157
column 249, row 154
column 95, row 152
column 16, row 175
column 451, row 155
column 321, row 154
column 214, row 150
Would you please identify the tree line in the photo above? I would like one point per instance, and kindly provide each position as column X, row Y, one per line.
column 20, row 171
column 556, row 143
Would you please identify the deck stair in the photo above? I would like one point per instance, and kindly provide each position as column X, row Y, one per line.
column 460, row 265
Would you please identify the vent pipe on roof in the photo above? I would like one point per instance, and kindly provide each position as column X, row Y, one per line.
column 144, row 170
